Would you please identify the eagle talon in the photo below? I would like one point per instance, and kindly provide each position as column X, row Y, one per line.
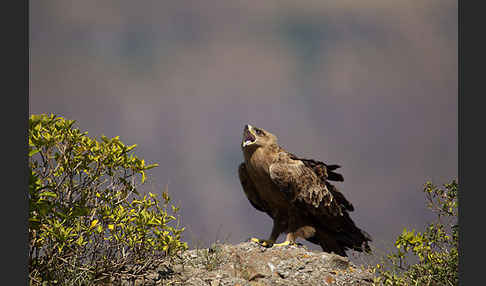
column 262, row 242
column 268, row 243
column 287, row 242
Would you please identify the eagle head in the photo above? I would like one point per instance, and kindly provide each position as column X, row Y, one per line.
column 256, row 137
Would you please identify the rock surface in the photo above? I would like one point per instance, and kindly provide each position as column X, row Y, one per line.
column 248, row 263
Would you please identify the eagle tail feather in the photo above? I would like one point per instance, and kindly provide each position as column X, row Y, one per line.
column 353, row 237
column 333, row 167
column 341, row 236
column 332, row 176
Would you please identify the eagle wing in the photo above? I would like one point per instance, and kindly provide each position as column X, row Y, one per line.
column 302, row 184
column 307, row 182
column 321, row 169
column 327, row 173
column 250, row 190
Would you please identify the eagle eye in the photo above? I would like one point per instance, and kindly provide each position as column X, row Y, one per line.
column 259, row 132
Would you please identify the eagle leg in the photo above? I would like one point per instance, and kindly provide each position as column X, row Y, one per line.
column 278, row 227
column 273, row 237
column 290, row 240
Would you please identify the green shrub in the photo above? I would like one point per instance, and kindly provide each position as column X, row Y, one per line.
column 435, row 250
column 86, row 216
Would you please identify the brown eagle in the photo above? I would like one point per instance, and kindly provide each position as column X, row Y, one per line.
column 297, row 195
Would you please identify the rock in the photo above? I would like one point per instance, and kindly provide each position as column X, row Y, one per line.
column 283, row 273
column 178, row 268
column 335, row 261
column 195, row 281
column 255, row 276
column 329, row 280
column 249, row 264
column 153, row 276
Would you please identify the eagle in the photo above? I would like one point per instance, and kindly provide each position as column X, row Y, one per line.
column 297, row 194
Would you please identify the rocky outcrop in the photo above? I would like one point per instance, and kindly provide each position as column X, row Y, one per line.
column 251, row 264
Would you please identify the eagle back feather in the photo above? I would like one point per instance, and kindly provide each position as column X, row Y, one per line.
column 326, row 173
column 321, row 169
column 301, row 183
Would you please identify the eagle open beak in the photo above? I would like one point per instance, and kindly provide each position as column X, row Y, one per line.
column 248, row 136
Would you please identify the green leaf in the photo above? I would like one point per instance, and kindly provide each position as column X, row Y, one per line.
column 33, row 152
column 93, row 223
column 143, row 176
column 151, row 166
column 48, row 194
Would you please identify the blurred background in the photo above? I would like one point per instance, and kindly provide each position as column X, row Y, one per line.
column 369, row 85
